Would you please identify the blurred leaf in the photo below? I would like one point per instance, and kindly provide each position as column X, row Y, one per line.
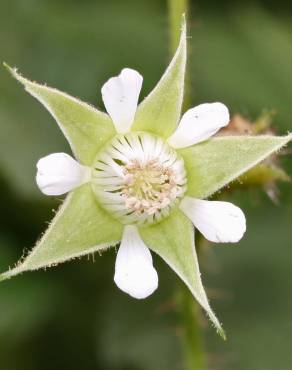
column 138, row 329
column 246, row 69
column 263, row 174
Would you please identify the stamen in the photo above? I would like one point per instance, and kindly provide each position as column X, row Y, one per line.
column 138, row 178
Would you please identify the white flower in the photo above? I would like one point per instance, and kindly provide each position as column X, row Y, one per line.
column 139, row 178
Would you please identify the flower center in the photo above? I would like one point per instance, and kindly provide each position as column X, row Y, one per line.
column 138, row 178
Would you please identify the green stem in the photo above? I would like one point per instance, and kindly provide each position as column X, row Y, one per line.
column 194, row 357
column 176, row 8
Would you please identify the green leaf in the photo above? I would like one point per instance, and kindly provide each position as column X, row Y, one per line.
column 80, row 227
column 160, row 111
column 86, row 128
column 173, row 240
column 214, row 163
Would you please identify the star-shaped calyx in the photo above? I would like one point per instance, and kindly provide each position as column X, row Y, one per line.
column 140, row 178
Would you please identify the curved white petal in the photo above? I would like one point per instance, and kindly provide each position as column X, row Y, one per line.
column 59, row 173
column 120, row 96
column 134, row 271
column 199, row 124
column 219, row 222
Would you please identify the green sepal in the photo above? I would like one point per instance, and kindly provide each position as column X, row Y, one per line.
column 86, row 128
column 80, row 227
column 173, row 240
column 160, row 111
column 214, row 163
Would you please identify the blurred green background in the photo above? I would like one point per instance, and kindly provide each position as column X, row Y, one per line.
column 73, row 316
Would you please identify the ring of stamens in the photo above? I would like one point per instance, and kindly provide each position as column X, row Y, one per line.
column 138, row 178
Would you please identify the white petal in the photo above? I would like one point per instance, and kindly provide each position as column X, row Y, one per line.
column 59, row 173
column 199, row 124
column 134, row 271
column 120, row 96
column 219, row 222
